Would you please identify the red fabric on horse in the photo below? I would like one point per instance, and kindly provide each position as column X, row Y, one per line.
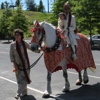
column 85, row 57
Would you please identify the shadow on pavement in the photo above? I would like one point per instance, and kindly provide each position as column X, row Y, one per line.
column 95, row 48
column 6, row 42
column 85, row 92
column 28, row 97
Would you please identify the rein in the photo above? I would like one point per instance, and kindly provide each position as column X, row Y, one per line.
column 43, row 34
column 32, row 65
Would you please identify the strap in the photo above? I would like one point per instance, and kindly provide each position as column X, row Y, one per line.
column 69, row 21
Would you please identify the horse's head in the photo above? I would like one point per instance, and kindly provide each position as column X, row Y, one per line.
column 37, row 31
column 46, row 35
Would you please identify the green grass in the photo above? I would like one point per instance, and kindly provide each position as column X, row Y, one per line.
column 31, row 16
column 37, row 16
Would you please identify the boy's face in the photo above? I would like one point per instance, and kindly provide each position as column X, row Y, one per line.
column 61, row 17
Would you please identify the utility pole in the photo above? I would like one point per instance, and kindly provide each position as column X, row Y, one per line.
column 48, row 5
column 90, row 28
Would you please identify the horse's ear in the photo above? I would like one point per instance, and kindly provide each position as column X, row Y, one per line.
column 36, row 23
column 44, row 21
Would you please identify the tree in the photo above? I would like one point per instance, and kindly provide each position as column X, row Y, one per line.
column 10, row 20
column 6, row 4
column 30, row 5
column 18, row 3
column 56, row 9
column 18, row 20
column 40, row 6
column 2, row 6
column 86, row 13
column 4, row 23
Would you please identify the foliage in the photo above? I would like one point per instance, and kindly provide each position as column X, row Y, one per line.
column 18, row 20
column 56, row 9
column 2, row 5
column 86, row 13
column 12, row 21
column 4, row 23
column 31, row 16
column 30, row 5
column 40, row 6
column 18, row 3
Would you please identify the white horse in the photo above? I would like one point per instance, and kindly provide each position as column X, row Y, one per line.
column 57, row 56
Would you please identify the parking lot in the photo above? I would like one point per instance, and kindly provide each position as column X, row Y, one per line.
column 8, row 86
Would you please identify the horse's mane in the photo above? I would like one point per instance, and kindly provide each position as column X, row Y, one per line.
column 50, row 34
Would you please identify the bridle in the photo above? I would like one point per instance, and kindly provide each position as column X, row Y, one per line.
column 48, row 49
column 54, row 47
column 41, row 39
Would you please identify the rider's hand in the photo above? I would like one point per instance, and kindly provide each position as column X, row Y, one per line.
column 65, row 43
column 15, row 67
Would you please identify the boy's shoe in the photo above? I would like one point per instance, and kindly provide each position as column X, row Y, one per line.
column 17, row 96
column 74, row 57
column 67, row 46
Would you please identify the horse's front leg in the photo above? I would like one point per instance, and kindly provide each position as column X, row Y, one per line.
column 85, row 76
column 48, row 88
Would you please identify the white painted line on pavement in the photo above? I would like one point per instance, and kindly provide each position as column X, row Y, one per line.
column 4, row 52
column 7, row 48
column 57, row 98
column 97, row 64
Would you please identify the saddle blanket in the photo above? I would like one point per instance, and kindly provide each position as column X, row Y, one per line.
column 84, row 54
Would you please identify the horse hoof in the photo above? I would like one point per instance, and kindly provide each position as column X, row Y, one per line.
column 86, row 81
column 65, row 90
column 78, row 82
column 45, row 96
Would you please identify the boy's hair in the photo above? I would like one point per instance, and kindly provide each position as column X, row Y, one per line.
column 62, row 13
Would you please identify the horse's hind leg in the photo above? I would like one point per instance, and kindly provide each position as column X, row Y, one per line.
column 79, row 81
column 48, row 88
column 85, row 76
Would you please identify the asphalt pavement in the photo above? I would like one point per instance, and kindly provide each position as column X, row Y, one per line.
column 8, row 85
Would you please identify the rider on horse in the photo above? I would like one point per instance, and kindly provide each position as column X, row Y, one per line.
column 67, row 24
